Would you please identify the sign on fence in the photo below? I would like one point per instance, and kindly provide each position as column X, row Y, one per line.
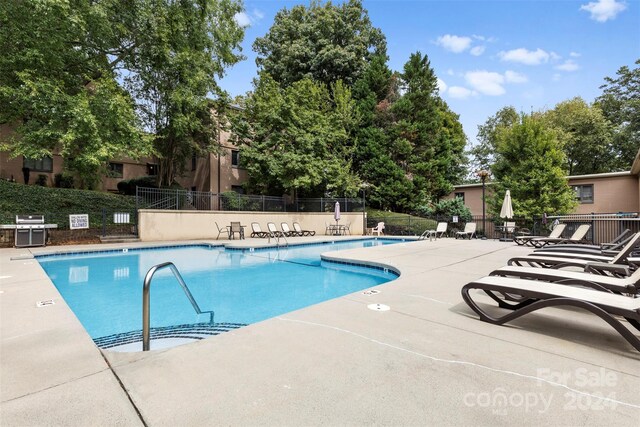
column 121, row 218
column 77, row 222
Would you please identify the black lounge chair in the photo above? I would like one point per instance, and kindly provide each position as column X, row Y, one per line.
column 287, row 231
column 526, row 240
column 534, row 295
column 608, row 248
column 605, row 265
column 302, row 232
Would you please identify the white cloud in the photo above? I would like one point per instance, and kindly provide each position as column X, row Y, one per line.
column 450, row 72
column 258, row 14
column 554, row 56
column 455, row 44
column 603, row 10
column 568, row 65
column 242, row 19
column 514, row 77
column 460, row 92
column 485, row 82
column 574, row 55
column 524, row 56
column 442, row 86
column 477, row 50
column 556, row 77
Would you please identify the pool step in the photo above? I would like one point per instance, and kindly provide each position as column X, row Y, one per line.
column 165, row 336
column 129, row 238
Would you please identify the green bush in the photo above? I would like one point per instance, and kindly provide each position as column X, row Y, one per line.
column 41, row 180
column 63, row 180
column 448, row 208
column 128, row 186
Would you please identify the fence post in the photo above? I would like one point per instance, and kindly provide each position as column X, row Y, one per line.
column 593, row 228
column 409, row 227
column 263, row 208
column 104, row 222
column 321, row 205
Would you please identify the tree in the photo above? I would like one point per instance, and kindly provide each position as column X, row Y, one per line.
column 295, row 138
column 586, row 137
column 58, row 87
column 620, row 103
column 180, row 48
column 426, row 140
column 483, row 152
column 530, row 162
column 324, row 42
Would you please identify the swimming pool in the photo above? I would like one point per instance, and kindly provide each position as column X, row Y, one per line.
column 232, row 287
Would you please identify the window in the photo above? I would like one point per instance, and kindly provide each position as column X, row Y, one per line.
column 584, row 193
column 238, row 189
column 460, row 196
column 235, row 158
column 152, row 169
column 115, row 170
column 44, row 164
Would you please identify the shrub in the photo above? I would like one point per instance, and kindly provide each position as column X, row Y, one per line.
column 41, row 180
column 63, row 180
column 128, row 186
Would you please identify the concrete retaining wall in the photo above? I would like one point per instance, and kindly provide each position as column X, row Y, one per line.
column 157, row 225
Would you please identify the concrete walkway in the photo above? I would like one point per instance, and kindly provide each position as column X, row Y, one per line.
column 426, row 361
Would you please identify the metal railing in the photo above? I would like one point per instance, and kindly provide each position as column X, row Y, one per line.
column 171, row 199
column 604, row 227
column 146, row 309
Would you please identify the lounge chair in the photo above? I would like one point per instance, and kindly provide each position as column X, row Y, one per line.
column 629, row 285
column 616, row 265
column 555, row 233
column 287, row 231
column 441, row 229
column 224, row 230
column 608, row 248
column 302, row 232
column 469, row 230
column 378, row 229
column 576, row 237
column 507, row 229
column 256, row 231
column 236, row 228
column 534, row 295
column 273, row 231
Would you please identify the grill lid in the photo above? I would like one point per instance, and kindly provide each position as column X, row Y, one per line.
column 29, row 219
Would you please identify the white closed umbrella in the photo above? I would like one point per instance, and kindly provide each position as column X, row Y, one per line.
column 507, row 208
column 336, row 212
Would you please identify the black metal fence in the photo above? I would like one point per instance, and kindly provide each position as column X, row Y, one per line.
column 169, row 199
column 604, row 227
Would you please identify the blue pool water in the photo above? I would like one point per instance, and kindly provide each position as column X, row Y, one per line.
column 104, row 289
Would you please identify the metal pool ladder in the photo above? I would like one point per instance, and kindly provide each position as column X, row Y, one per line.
column 146, row 297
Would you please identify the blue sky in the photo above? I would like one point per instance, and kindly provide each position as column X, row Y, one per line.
column 489, row 54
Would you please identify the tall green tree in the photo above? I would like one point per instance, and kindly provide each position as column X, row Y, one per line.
column 620, row 103
column 483, row 153
column 426, row 142
column 181, row 48
column 58, row 87
column 586, row 137
column 295, row 139
column 530, row 162
column 324, row 42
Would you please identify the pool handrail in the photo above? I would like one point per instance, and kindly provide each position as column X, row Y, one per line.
column 146, row 288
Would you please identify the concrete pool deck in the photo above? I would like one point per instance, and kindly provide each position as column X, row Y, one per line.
column 426, row 361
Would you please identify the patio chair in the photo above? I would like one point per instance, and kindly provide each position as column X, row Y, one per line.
column 378, row 229
column 256, row 231
column 621, row 285
column 534, row 295
column 302, row 232
column 616, row 265
column 576, row 237
column 273, row 231
column 469, row 230
column 507, row 229
column 236, row 228
column 556, row 232
column 441, row 229
column 224, row 230
column 287, row 231
column 608, row 248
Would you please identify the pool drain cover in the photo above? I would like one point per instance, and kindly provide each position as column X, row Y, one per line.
column 378, row 307
column 45, row 303
column 371, row 292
